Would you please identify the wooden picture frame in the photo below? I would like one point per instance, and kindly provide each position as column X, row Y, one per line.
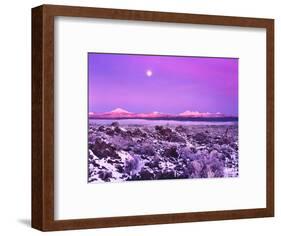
column 43, row 117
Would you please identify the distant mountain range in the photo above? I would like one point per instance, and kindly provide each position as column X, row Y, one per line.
column 120, row 113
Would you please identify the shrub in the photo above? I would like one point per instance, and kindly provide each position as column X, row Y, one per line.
column 132, row 165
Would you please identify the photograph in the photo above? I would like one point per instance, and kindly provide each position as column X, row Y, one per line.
column 155, row 117
column 146, row 117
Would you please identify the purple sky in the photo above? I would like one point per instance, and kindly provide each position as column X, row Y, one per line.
column 176, row 84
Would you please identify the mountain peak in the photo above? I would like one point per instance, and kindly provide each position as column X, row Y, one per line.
column 119, row 110
column 200, row 114
column 189, row 113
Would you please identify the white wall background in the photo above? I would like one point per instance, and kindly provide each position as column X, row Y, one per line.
column 15, row 107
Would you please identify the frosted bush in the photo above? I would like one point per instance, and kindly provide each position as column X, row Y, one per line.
column 132, row 165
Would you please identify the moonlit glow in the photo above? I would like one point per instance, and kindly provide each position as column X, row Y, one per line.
column 168, row 84
column 149, row 73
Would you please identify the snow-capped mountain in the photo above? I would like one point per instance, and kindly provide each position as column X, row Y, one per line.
column 200, row 114
column 116, row 113
column 120, row 113
column 154, row 114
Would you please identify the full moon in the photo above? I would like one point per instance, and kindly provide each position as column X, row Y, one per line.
column 149, row 73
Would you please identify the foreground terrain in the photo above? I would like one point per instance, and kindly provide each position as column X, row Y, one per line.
column 149, row 152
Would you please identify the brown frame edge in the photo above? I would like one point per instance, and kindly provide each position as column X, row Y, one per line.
column 43, row 117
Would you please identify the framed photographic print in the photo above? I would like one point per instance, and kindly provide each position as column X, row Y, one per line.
column 143, row 117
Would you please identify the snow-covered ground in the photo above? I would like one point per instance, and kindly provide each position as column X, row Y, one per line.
column 148, row 150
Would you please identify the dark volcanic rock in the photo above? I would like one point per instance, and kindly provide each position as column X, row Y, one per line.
column 166, row 132
column 94, row 163
column 109, row 131
column 129, row 133
column 178, row 168
column 119, row 168
column 101, row 128
column 158, row 127
column 117, row 130
column 105, row 175
column 137, row 132
column 168, row 135
column 115, row 124
column 171, row 152
column 180, row 129
column 167, row 174
column 145, row 174
column 234, row 146
column 174, row 137
column 223, row 141
column 145, row 149
column 103, row 150
column 154, row 163
column 201, row 137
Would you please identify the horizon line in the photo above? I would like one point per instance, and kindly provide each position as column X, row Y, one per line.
column 165, row 113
